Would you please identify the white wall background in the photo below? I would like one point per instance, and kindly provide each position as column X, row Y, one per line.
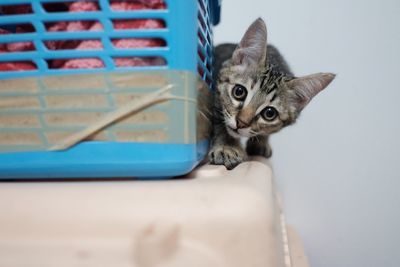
column 339, row 166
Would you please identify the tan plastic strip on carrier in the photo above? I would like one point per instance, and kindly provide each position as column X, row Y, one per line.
column 132, row 107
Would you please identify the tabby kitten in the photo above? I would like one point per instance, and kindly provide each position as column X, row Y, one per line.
column 256, row 95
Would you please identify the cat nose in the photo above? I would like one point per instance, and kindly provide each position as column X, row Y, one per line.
column 241, row 124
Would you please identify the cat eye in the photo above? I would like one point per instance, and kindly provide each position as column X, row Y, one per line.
column 239, row 92
column 269, row 113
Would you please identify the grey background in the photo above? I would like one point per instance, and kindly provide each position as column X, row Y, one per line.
column 338, row 168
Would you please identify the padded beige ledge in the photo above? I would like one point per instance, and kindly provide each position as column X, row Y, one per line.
column 212, row 218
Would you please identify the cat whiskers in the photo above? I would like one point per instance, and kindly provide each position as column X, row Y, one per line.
column 205, row 116
column 226, row 113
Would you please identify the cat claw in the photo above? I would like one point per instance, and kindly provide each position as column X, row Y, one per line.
column 226, row 155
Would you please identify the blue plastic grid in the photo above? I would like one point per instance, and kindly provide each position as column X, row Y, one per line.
column 183, row 18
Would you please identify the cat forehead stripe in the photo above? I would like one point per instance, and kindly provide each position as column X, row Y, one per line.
column 273, row 97
column 270, row 80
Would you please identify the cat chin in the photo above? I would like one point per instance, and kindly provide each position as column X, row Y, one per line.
column 233, row 133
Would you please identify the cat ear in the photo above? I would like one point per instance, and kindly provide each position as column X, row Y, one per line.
column 252, row 49
column 305, row 88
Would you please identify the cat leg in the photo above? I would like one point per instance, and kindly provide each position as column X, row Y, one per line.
column 258, row 146
column 225, row 150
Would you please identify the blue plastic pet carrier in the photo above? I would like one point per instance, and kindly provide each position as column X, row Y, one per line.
column 45, row 99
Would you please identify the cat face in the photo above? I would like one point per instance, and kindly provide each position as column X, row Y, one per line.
column 255, row 104
column 255, row 98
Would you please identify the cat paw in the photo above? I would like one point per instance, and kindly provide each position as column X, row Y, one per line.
column 226, row 155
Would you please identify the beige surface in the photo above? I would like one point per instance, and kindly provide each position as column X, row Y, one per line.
column 297, row 254
column 213, row 218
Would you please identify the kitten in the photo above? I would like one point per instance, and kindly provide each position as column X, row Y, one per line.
column 256, row 95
